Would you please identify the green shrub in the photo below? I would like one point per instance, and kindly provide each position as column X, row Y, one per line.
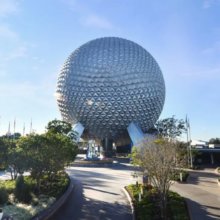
column 177, row 206
column 22, row 190
column 9, row 185
column 148, row 207
column 185, row 175
column 57, row 186
column 3, row 196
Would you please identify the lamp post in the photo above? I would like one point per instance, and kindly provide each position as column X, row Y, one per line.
column 188, row 133
column 190, row 147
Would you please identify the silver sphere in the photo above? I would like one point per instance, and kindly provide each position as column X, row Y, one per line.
column 108, row 83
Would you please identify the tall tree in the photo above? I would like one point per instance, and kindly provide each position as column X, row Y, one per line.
column 58, row 126
column 158, row 160
column 214, row 141
column 47, row 153
column 4, row 146
column 170, row 127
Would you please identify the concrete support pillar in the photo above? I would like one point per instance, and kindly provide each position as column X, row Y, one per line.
column 212, row 158
column 135, row 133
column 78, row 129
column 108, row 147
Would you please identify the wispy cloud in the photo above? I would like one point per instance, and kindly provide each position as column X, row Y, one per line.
column 18, row 52
column 8, row 7
column 199, row 74
column 12, row 47
column 96, row 21
column 7, row 33
column 19, row 90
column 213, row 49
column 87, row 17
column 210, row 3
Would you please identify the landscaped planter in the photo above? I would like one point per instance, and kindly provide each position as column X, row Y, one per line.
column 1, row 213
column 42, row 206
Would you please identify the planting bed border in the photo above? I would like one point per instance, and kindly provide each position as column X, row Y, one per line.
column 49, row 212
column 130, row 201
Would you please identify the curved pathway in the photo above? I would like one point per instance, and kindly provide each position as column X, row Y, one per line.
column 202, row 194
column 98, row 193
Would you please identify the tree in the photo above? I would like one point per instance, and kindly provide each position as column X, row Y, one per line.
column 11, row 156
column 16, row 135
column 62, row 127
column 214, row 141
column 3, row 152
column 58, row 126
column 61, row 151
column 182, row 153
column 47, row 154
column 33, row 145
column 158, row 159
column 17, row 161
column 170, row 127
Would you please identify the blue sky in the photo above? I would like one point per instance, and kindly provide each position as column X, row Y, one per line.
column 37, row 36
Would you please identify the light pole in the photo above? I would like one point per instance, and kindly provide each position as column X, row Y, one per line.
column 188, row 133
column 190, row 146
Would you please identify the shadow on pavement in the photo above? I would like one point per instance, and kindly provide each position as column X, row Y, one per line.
column 104, row 191
column 80, row 207
column 200, row 212
column 195, row 176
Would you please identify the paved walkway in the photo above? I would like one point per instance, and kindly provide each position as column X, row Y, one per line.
column 202, row 194
column 98, row 194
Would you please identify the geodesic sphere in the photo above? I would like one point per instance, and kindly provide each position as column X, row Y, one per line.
column 108, row 83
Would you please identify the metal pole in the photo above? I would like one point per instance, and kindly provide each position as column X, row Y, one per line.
column 190, row 149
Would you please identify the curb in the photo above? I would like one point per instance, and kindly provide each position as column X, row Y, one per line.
column 187, row 207
column 130, row 201
column 49, row 212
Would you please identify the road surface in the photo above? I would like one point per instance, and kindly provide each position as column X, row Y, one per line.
column 98, row 194
column 202, row 194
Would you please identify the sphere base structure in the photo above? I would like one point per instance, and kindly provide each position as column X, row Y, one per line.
column 106, row 85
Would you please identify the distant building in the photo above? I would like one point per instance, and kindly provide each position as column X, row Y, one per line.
column 214, row 146
column 208, row 154
column 199, row 144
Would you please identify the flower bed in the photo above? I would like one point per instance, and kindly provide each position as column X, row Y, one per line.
column 148, row 207
column 50, row 192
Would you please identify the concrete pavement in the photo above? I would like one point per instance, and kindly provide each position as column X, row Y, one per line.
column 202, row 194
column 98, row 194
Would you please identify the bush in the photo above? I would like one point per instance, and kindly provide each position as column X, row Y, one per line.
column 3, row 196
column 9, row 185
column 177, row 206
column 148, row 207
column 22, row 190
column 57, row 186
column 185, row 175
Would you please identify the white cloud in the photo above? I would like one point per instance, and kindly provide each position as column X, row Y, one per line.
column 96, row 21
column 8, row 7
